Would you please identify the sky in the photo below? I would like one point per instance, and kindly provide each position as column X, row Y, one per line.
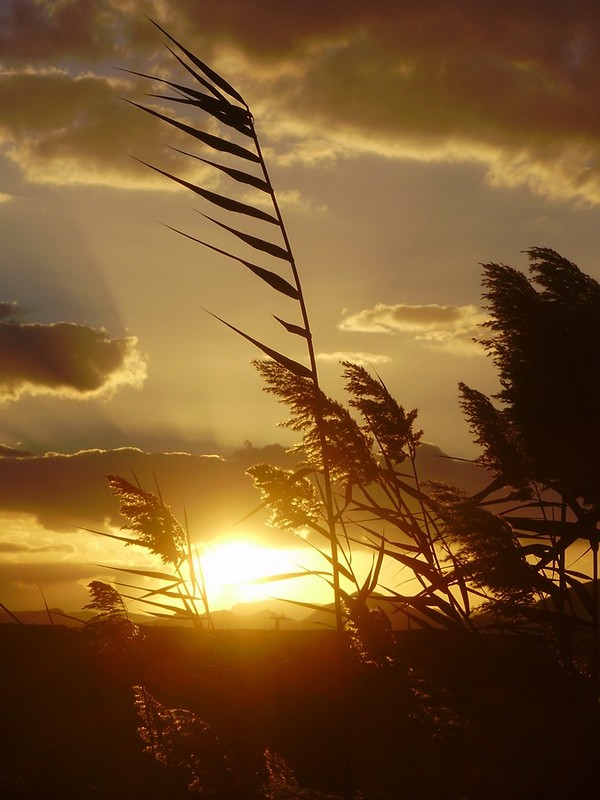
column 408, row 144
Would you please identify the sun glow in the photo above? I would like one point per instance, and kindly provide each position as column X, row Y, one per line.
column 237, row 571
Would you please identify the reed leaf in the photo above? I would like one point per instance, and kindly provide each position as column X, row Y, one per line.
column 236, row 174
column 292, row 366
column 284, row 576
column 254, row 241
column 218, row 199
column 126, row 539
column 222, row 113
column 216, row 142
column 272, row 278
column 291, row 328
column 149, row 592
column 165, row 606
column 217, row 79
column 306, row 604
column 216, row 106
column 145, row 573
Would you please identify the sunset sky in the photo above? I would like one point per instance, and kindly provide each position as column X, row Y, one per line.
column 408, row 143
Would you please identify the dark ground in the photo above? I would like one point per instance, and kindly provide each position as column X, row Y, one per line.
column 456, row 717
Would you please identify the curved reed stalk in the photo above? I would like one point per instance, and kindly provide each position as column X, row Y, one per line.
column 215, row 98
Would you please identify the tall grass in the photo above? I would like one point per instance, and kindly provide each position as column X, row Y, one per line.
column 356, row 488
column 180, row 591
column 350, row 488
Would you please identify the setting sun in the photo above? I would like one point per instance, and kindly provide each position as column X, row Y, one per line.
column 237, row 571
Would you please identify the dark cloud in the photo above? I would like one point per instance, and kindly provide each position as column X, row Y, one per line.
column 66, row 360
column 511, row 86
column 67, row 492
column 9, row 310
column 44, row 574
column 7, row 451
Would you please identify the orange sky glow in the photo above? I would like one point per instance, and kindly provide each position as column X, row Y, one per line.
column 408, row 144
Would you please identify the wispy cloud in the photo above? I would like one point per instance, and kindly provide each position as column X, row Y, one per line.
column 27, row 549
column 66, row 360
column 355, row 357
column 450, row 327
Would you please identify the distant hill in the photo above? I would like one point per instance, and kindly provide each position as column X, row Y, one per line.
column 264, row 617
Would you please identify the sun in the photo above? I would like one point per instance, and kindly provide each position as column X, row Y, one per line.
column 237, row 570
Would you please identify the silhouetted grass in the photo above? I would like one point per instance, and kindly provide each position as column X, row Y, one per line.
column 357, row 489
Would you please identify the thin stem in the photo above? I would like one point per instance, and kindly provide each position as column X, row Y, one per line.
column 319, row 417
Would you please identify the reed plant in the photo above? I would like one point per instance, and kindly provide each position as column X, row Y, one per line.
column 181, row 591
column 356, row 487
column 349, row 487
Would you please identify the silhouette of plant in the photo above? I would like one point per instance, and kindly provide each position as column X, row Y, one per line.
column 111, row 626
column 213, row 96
column 378, row 506
column 543, row 441
column 159, row 532
column 350, row 493
column 177, row 737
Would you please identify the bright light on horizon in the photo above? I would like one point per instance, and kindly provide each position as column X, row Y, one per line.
column 235, row 571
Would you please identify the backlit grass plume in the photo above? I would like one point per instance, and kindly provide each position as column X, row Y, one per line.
column 152, row 521
column 181, row 591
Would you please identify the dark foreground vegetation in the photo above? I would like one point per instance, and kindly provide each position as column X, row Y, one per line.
column 456, row 716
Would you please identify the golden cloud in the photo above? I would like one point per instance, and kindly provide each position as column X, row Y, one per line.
column 355, row 357
column 448, row 326
column 511, row 88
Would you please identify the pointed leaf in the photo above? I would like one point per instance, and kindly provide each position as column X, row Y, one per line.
column 216, row 142
column 293, row 366
column 148, row 592
column 126, row 539
column 210, row 73
column 254, row 241
column 145, row 573
column 202, row 81
column 284, row 576
column 218, row 199
column 217, row 106
column 304, row 604
column 274, row 280
column 165, row 606
column 343, row 570
column 291, row 328
column 210, row 105
column 236, row 174
column 376, row 571
column 422, row 607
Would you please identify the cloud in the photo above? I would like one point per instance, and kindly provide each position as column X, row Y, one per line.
column 450, row 327
column 7, row 451
column 66, row 360
column 66, row 492
column 9, row 310
column 364, row 359
column 63, row 129
column 13, row 547
column 50, row 504
column 512, row 88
